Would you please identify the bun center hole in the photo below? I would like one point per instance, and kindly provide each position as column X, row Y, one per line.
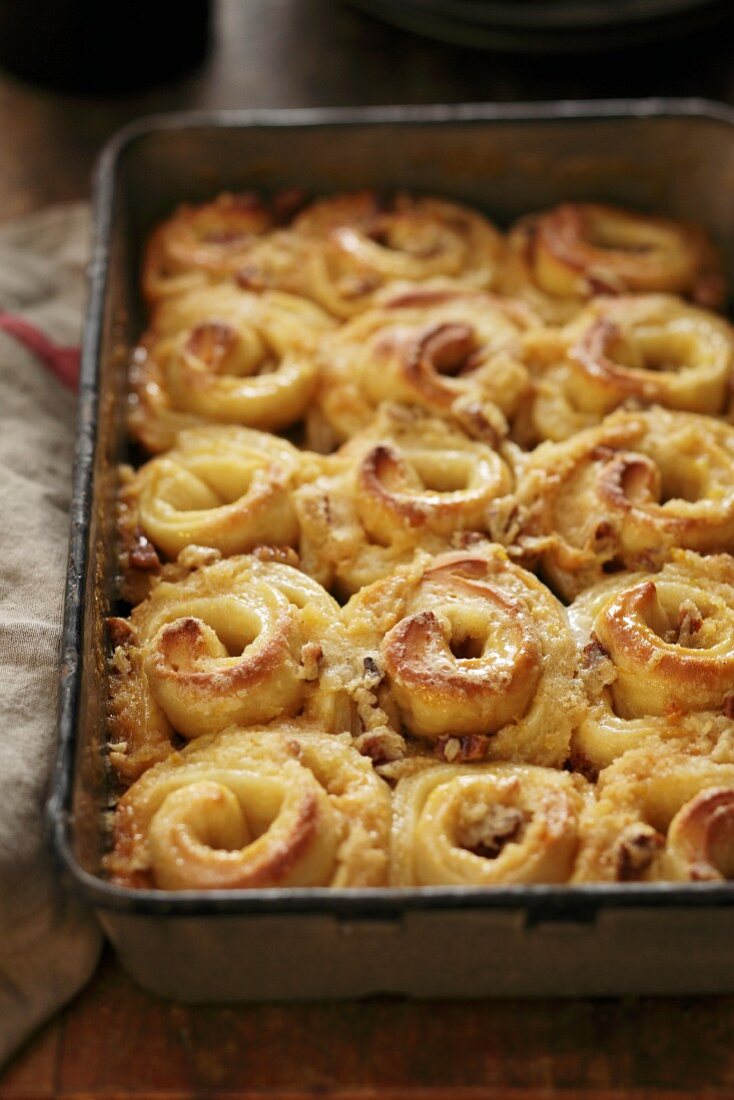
column 441, row 476
column 484, row 829
column 681, row 624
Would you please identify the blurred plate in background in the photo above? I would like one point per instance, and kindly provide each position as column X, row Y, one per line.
column 548, row 26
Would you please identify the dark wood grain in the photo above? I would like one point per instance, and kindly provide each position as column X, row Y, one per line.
column 115, row 1041
column 33, row 1072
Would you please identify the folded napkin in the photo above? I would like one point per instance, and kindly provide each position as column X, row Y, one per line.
column 48, row 945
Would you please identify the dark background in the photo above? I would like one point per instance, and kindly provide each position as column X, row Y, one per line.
column 287, row 53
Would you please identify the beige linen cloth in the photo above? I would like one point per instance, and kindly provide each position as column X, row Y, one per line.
column 48, row 946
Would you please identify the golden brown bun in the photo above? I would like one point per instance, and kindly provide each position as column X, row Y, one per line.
column 202, row 244
column 286, row 805
column 471, row 645
column 485, row 825
column 358, row 244
column 241, row 640
column 227, row 356
column 454, row 353
column 408, row 481
column 664, row 811
column 227, row 488
column 623, row 495
column 559, row 259
column 656, row 655
column 650, row 349
column 224, row 487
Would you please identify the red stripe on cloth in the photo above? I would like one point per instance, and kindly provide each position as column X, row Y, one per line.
column 61, row 361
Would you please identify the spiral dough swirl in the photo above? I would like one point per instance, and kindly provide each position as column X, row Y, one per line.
column 559, row 259
column 622, row 495
column 233, row 642
column 202, row 244
column 485, row 825
column 645, row 350
column 657, row 655
column 226, row 488
column 408, row 481
column 456, row 354
column 470, row 644
column 227, row 356
column 248, row 809
column 359, row 244
column 664, row 812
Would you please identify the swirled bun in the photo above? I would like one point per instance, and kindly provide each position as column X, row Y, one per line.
column 634, row 350
column 239, row 641
column 201, row 244
column 485, row 825
column 285, row 805
column 624, row 494
column 559, row 259
column 408, row 481
column 663, row 812
column 360, row 244
column 221, row 355
column 228, row 488
column 454, row 353
column 657, row 655
column 471, row 645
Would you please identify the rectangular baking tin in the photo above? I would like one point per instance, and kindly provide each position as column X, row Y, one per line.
column 676, row 157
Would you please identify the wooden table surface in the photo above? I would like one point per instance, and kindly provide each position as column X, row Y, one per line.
column 115, row 1041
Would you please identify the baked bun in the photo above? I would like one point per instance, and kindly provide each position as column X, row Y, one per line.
column 559, row 259
column 657, row 655
column 227, row 488
column 280, row 806
column 238, row 641
column 454, row 353
column 408, row 481
column 633, row 350
column 202, row 244
column 622, row 495
column 227, row 356
column 485, row 825
column 471, row 645
column 664, row 812
column 359, row 243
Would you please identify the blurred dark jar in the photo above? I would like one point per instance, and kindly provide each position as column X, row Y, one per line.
column 102, row 45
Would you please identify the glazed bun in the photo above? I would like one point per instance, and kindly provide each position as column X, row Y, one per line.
column 485, row 825
column 471, row 645
column 285, row 805
column 559, row 259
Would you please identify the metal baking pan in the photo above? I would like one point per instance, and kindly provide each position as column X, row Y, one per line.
column 671, row 156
